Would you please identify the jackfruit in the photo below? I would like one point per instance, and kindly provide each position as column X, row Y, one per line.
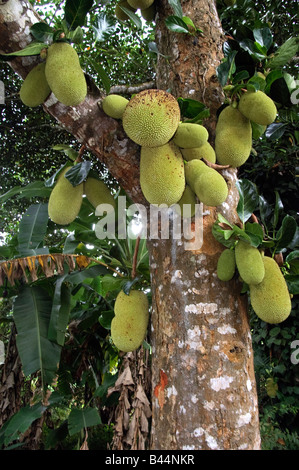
column 270, row 299
column 149, row 13
column 189, row 135
column 188, row 198
column 210, row 187
column 249, row 262
column 65, row 200
column 64, row 74
column 35, row 88
column 151, row 118
column 226, row 265
column 258, row 107
column 129, row 325
column 205, row 151
column 142, row 4
column 114, row 106
column 119, row 13
column 162, row 178
column 193, row 170
column 233, row 139
column 97, row 192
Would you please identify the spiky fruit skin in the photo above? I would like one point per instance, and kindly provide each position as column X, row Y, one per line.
column 188, row 198
column 258, row 107
column 270, row 299
column 129, row 325
column 142, row 4
column 64, row 74
column 114, row 106
column 35, row 88
column 97, row 192
column 190, row 135
column 151, row 118
column 162, row 177
column 226, row 265
column 193, row 170
column 205, row 151
column 119, row 13
column 211, row 188
column 233, row 139
column 249, row 262
column 65, row 200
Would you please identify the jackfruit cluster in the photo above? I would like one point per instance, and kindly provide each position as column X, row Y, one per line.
column 129, row 325
column 147, row 9
column 65, row 199
column 35, row 88
column 64, row 74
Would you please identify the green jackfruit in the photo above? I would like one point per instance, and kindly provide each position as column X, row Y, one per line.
column 151, row 118
column 35, row 88
column 64, row 74
column 190, row 135
column 129, row 325
column 206, row 151
column 114, row 106
column 210, row 187
column 162, row 178
column 149, row 13
column 233, row 139
column 226, row 265
column 249, row 263
column 142, row 4
column 194, row 169
column 97, row 192
column 65, row 200
column 258, row 107
column 119, row 13
column 188, row 198
column 271, row 299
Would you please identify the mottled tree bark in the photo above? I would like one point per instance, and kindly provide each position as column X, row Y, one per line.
column 204, row 394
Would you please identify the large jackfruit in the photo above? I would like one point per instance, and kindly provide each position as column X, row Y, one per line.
column 211, row 188
column 205, row 151
column 162, row 177
column 129, row 325
column 35, row 88
column 226, row 265
column 114, row 105
column 193, row 169
column 151, row 118
column 189, row 135
column 249, row 262
column 97, row 192
column 258, row 107
column 64, row 74
column 65, row 200
column 270, row 299
column 233, row 139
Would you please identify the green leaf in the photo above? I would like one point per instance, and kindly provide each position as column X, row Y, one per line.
column 76, row 12
column 76, row 36
column 193, row 109
column 78, row 173
column 41, row 31
column 286, row 233
column 133, row 17
column 248, row 201
column 263, row 36
column 176, row 24
column 78, row 277
column 101, row 73
column 60, row 312
column 284, row 53
column 226, row 68
column 31, row 312
column 82, row 419
column 255, row 232
column 277, row 209
column 105, row 319
column 34, row 48
column 177, row 8
column 293, row 255
column 32, row 230
column 35, row 189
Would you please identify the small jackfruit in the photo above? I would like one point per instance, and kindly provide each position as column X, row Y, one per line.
column 205, row 151
column 210, row 187
column 233, row 139
column 190, row 135
column 119, row 13
column 97, row 192
column 129, row 325
column 193, row 169
column 64, row 74
column 142, row 4
column 249, row 262
column 270, row 299
column 65, row 200
column 35, row 88
column 151, row 118
column 226, row 265
column 162, row 177
column 114, row 105
column 188, row 199
column 258, row 107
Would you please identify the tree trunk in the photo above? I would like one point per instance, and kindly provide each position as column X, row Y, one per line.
column 203, row 384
